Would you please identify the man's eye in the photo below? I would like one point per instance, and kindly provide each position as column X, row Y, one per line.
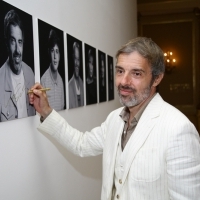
column 119, row 71
column 137, row 74
column 12, row 40
column 20, row 42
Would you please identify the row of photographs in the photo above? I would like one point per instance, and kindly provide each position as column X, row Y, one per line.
column 17, row 72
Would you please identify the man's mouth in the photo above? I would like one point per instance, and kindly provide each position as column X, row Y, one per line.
column 17, row 59
column 125, row 90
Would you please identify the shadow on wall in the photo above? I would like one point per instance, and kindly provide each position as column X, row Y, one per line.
column 87, row 166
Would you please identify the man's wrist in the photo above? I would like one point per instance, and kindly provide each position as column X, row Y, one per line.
column 45, row 115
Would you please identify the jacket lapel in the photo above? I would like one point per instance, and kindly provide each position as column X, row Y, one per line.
column 9, row 94
column 110, row 152
column 142, row 131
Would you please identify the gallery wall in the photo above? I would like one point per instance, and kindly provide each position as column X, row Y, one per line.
column 33, row 165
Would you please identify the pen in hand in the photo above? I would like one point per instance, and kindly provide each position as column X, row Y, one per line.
column 43, row 89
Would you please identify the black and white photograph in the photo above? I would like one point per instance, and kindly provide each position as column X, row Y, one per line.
column 110, row 78
column 90, row 74
column 16, row 62
column 52, row 65
column 75, row 72
column 102, row 76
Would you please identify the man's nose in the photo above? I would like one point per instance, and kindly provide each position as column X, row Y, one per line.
column 77, row 63
column 126, row 79
column 17, row 47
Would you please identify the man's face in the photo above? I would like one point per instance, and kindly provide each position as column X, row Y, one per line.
column 102, row 68
column 15, row 48
column 91, row 67
column 111, row 71
column 90, row 70
column 76, row 62
column 55, row 57
column 133, row 79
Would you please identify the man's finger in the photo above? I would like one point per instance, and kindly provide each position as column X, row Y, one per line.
column 36, row 86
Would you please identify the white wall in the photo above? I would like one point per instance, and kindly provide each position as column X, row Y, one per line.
column 33, row 166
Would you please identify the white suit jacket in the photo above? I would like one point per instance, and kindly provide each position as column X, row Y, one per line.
column 164, row 160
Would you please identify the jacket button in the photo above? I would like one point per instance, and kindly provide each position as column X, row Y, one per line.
column 120, row 181
column 117, row 196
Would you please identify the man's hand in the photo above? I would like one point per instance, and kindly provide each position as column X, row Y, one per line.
column 39, row 100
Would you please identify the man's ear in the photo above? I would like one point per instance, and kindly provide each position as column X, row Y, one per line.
column 157, row 80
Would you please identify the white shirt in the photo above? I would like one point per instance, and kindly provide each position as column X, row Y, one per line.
column 19, row 93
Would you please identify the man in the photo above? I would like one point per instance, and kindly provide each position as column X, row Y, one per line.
column 91, row 86
column 16, row 77
column 76, row 92
column 151, row 151
column 51, row 78
column 102, row 79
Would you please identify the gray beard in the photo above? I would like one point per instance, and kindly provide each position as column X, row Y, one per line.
column 136, row 99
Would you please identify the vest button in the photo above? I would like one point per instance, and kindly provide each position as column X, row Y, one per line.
column 117, row 196
column 120, row 181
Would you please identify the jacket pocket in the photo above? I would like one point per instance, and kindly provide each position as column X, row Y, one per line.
column 146, row 165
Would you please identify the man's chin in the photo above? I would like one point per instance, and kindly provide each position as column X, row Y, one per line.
column 127, row 102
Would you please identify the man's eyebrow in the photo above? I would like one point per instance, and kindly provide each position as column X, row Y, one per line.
column 117, row 66
column 12, row 37
column 138, row 70
column 135, row 69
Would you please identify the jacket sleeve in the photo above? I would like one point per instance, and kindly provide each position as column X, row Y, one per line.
column 183, row 164
column 82, row 144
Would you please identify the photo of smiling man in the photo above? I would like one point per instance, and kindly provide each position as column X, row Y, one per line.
column 16, row 77
column 52, row 64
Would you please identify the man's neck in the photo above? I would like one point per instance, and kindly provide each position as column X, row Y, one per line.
column 54, row 74
column 16, row 72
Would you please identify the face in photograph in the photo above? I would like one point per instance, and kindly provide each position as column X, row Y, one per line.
column 102, row 68
column 90, row 70
column 55, row 57
column 15, row 48
column 111, row 72
column 76, row 62
column 91, row 67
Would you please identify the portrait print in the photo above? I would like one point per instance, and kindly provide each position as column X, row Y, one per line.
column 90, row 74
column 16, row 63
column 52, row 66
column 102, row 76
column 110, row 78
column 75, row 72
